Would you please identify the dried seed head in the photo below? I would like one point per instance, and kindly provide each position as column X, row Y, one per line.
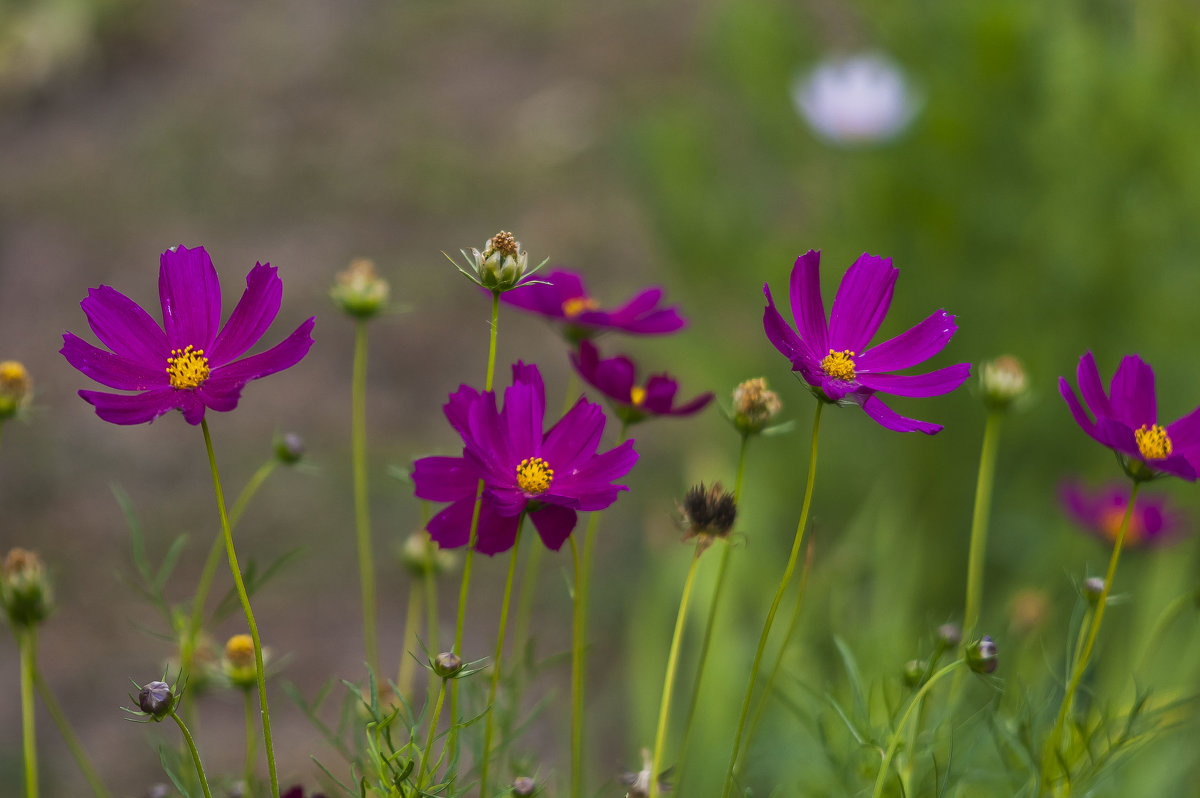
column 707, row 514
column 501, row 264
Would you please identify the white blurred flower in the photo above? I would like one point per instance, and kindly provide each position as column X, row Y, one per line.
column 857, row 99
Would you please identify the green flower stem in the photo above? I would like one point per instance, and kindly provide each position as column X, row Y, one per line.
column 362, row 508
column 979, row 521
column 1054, row 745
column 710, row 624
column 783, row 586
column 251, row 742
column 427, row 752
column 191, row 744
column 493, row 330
column 236, row 570
column 664, row 707
column 898, row 733
column 579, row 640
column 27, row 643
column 489, row 725
column 412, row 618
column 64, row 728
column 769, row 687
column 187, row 651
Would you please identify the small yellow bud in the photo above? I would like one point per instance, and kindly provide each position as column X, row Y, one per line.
column 16, row 388
column 238, row 664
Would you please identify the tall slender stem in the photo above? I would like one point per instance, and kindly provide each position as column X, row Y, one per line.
column 489, row 724
column 710, row 624
column 362, row 507
column 64, row 728
column 898, row 732
column 412, row 618
column 1054, row 744
column 191, row 744
column 27, row 642
column 493, row 331
column 427, row 752
column 783, row 585
column 664, row 707
column 979, row 521
column 235, row 569
column 251, row 739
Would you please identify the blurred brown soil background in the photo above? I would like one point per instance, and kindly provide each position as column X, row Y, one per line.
column 305, row 134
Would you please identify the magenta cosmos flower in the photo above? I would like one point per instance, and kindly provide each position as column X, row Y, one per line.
column 547, row 474
column 616, row 378
column 1126, row 420
column 191, row 362
column 833, row 356
column 1100, row 511
column 560, row 295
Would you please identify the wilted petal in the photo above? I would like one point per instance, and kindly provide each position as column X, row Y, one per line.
column 253, row 315
column 190, row 294
column 861, row 303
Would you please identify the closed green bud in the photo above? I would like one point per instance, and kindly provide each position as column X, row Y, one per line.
column 421, row 555
column 1093, row 589
column 359, row 291
column 1002, row 382
column 447, row 665
column 289, row 448
column 157, row 700
column 25, row 591
column 523, row 786
column 914, row 672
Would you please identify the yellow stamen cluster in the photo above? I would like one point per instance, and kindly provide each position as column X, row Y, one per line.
column 534, row 475
column 579, row 304
column 187, row 368
column 1153, row 442
column 505, row 242
column 839, row 365
column 637, row 395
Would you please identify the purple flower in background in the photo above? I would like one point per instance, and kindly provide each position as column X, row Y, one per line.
column 549, row 475
column 560, row 295
column 832, row 356
column 616, row 378
column 1126, row 420
column 191, row 362
column 1100, row 511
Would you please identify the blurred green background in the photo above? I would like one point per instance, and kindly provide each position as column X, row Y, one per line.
column 1046, row 192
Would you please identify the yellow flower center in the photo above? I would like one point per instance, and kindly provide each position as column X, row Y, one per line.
column 534, row 475
column 239, row 650
column 637, row 395
column 1153, row 442
column 187, row 368
column 579, row 304
column 839, row 365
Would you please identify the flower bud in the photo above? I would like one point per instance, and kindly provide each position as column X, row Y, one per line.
column 982, row 655
column 949, row 635
column 25, row 592
column 501, row 264
column 16, row 388
column 421, row 555
column 238, row 664
column 754, row 406
column 707, row 514
column 1002, row 382
column 359, row 291
column 523, row 786
column 1093, row 589
column 156, row 700
column 447, row 665
column 914, row 672
column 289, row 448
